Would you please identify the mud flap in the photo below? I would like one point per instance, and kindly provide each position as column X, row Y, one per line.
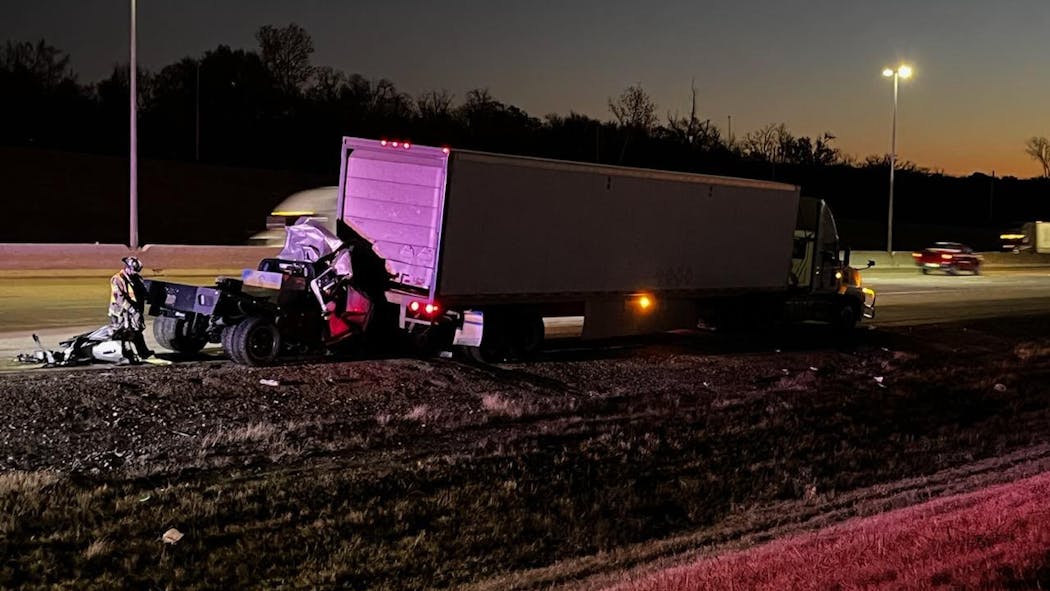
column 470, row 332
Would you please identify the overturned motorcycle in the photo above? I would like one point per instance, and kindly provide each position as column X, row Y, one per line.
column 102, row 345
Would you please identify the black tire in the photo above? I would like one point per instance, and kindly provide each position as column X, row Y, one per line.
column 428, row 341
column 174, row 334
column 495, row 340
column 527, row 335
column 256, row 342
column 925, row 271
column 953, row 270
column 227, row 343
column 977, row 270
column 846, row 317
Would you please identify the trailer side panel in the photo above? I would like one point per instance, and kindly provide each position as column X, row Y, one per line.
column 521, row 226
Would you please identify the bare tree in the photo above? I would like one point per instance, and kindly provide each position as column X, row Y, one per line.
column 634, row 109
column 1039, row 149
column 636, row 114
column 286, row 52
column 434, row 104
column 691, row 130
column 47, row 64
column 883, row 161
column 387, row 100
column 768, row 143
column 326, row 83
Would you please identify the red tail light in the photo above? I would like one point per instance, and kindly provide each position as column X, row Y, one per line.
column 424, row 309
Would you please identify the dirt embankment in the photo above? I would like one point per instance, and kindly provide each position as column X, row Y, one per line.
column 408, row 474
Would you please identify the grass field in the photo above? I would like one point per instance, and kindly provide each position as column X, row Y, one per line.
column 566, row 473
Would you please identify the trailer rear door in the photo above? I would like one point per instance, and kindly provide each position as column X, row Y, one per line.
column 392, row 194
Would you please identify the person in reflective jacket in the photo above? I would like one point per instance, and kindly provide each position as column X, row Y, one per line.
column 127, row 303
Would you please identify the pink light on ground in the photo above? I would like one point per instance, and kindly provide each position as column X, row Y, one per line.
column 971, row 541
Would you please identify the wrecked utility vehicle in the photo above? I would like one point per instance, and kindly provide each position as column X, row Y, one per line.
column 307, row 300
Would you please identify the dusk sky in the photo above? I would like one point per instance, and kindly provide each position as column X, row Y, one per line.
column 981, row 84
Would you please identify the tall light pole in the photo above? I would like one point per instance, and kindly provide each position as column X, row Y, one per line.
column 197, row 116
column 897, row 73
column 133, row 237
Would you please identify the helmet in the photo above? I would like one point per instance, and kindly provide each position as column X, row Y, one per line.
column 132, row 264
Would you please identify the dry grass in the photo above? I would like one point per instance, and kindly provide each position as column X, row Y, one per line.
column 99, row 547
column 996, row 538
column 501, row 406
column 250, row 433
column 26, row 483
column 420, row 412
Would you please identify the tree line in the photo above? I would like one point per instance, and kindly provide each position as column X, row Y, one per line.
column 271, row 107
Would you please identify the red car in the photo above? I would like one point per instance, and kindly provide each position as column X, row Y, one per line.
column 950, row 257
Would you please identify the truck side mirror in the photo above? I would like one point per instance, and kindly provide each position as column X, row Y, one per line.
column 871, row 263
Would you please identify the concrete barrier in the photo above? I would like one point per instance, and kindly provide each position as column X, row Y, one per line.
column 89, row 260
column 24, row 260
column 904, row 260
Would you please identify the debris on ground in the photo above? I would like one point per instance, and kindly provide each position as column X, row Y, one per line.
column 172, row 536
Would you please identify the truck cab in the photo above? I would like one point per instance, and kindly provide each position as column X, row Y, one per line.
column 825, row 286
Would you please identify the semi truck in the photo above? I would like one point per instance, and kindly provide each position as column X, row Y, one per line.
column 489, row 245
column 457, row 249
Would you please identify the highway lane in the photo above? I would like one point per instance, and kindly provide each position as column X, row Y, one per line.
column 908, row 298
column 56, row 308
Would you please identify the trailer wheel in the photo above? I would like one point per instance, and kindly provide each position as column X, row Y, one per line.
column 496, row 341
column 175, row 334
column 256, row 341
column 527, row 336
column 430, row 340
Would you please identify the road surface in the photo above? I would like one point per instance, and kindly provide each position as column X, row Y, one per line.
column 61, row 307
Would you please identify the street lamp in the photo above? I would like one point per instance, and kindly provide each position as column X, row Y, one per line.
column 133, row 155
column 902, row 71
column 197, row 116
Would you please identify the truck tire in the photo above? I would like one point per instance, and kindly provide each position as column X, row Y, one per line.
column 496, row 341
column 255, row 341
column 174, row 334
column 846, row 317
column 431, row 340
column 227, row 343
column 527, row 335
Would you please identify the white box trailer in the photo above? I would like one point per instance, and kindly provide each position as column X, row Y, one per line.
column 517, row 238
